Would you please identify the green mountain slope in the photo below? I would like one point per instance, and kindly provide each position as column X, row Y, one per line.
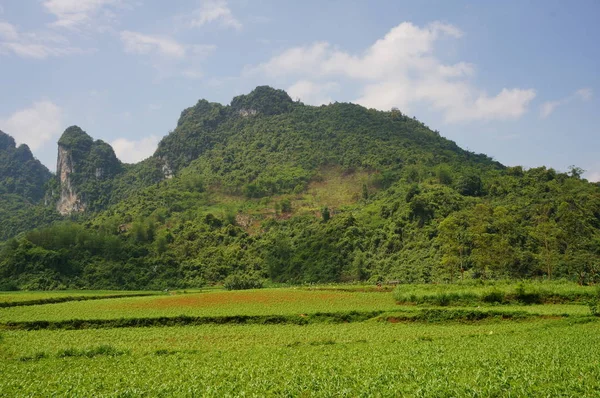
column 24, row 182
column 268, row 188
column 20, row 172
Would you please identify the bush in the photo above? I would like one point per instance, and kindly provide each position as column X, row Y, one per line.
column 527, row 297
column 8, row 286
column 494, row 296
column 594, row 304
column 241, row 281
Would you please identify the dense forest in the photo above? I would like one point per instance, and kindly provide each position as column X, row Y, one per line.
column 269, row 189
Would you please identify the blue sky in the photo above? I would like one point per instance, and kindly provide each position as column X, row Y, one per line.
column 517, row 80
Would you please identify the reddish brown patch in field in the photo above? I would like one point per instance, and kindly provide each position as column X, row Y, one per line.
column 222, row 299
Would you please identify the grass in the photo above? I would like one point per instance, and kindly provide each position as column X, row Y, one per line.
column 27, row 296
column 328, row 341
column 495, row 293
column 282, row 301
column 538, row 358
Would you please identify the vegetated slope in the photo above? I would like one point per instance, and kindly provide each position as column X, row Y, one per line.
column 20, row 172
column 271, row 188
column 23, row 183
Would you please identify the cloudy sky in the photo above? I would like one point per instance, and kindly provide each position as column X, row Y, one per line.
column 517, row 80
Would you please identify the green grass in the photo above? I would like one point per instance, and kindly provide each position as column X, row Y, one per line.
column 19, row 296
column 286, row 301
column 495, row 293
column 361, row 344
column 539, row 358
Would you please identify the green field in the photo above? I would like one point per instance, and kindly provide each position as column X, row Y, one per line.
column 20, row 296
column 398, row 350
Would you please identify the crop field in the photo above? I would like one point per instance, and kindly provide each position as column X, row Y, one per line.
column 19, row 297
column 326, row 341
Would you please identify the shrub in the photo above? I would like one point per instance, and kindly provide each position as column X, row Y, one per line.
column 8, row 286
column 594, row 303
column 442, row 299
column 494, row 296
column 35, row 357
column 527, row 297
column 242, row 281
column 105, row 349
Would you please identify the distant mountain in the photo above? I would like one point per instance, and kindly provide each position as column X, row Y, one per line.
column 270, row 188
column 24, row 186
column 20, row 172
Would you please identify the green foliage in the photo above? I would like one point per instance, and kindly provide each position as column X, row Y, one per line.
column 444, row 174
column 594, row 303
column 325, row 214
column 246, row 196
column 470, row 185
column 286, row 206
column 23, row 184
column 242, row 281
column 263, row 100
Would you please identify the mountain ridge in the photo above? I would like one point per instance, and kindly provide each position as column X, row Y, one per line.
column 269, row 188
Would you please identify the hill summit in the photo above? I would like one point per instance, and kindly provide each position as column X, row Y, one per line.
column 81, row 164
column 20, row 172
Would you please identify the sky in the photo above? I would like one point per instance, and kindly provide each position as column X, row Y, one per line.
column 516, row 80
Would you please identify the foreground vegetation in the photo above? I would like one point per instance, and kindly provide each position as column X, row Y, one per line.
column 541, row 358
column 313, row 341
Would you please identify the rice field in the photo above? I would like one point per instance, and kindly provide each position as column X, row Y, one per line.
column 211, row 303
column 19, row 297
column 548, row 350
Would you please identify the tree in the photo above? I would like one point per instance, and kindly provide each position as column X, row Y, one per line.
column 470, row 185
column 455, row 243
column 325, row 214
column 444, row 174
column 576, row 172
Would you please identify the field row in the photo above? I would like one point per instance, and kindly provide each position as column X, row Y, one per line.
column 264, row 302
column 8, row 299
column 537, row 358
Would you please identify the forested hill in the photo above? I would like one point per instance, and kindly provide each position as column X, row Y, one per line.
column 24, row 182
column 20, row 173
column 267, row 188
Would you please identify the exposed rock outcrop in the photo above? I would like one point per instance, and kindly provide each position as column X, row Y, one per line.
column 69, row 201
column 83, row 164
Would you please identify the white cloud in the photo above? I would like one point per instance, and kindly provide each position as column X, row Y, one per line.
column 584, row 93
column 35, row 125
column 215, row 11
column 8, row 31
column 548, row 107
column 130, row 151
column 33, row 45
column 295, row 61
column 313, row 93
column 168, row 56
column 508, row 104
column 77, row 14
column 399, row 70
column 138, row 43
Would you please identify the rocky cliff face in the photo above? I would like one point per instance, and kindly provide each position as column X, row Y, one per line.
column 69, row 202
column 84, row 170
